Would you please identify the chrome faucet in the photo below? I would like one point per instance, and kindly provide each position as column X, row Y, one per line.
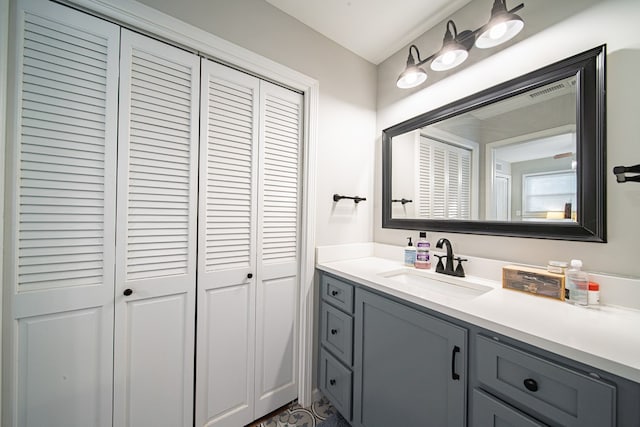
column 448, row 268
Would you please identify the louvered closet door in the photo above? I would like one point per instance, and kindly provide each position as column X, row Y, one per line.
column 59, row 242
column 445, row 180
column 156, row 234
column 227, row 249
column 278, row 247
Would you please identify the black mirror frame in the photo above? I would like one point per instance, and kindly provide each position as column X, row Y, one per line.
column 589, row 67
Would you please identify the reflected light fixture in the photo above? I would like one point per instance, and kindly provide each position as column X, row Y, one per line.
column 503, row 25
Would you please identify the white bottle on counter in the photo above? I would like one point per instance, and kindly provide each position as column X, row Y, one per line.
column 409, row 254
column 577, row 283
column 594, row 294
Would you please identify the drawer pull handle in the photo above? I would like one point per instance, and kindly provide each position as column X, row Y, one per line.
column 531, row 384
column 332, row 382
column 334, row 293
column 334, row 331
column 454, row 374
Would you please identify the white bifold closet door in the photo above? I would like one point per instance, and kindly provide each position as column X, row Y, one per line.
column 248, row 247
column 59, row 247
column 156, row 234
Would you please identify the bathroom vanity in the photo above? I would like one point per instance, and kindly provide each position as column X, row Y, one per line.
column 399, row 346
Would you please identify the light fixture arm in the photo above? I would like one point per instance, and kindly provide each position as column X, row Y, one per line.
column 517, row 8
column 411, row 61
column 501, row 6
column 448, row 36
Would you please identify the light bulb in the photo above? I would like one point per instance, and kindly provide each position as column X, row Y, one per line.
column 448, row 58
column 411, row 77
column 498, row 31
column 504, row 28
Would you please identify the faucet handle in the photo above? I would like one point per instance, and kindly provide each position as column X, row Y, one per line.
column 439, row 266
column 459, row 270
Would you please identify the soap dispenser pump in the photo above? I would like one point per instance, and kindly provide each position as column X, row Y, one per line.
column 409, row 254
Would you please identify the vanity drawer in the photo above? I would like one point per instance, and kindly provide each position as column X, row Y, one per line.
column 491, row 412
column 336, row 332
column 337, row 292
column 336, row 382
column 555, row 394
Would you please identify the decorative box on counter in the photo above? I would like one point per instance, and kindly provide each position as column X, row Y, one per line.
column 534, row 281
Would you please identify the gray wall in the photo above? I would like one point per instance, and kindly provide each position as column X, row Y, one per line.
column 553, row 31
column 347, row 101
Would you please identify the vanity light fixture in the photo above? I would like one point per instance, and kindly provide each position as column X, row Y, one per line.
column 502, row 26
column 455, row 49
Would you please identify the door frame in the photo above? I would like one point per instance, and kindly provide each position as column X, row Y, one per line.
column 4, row 68
column 154, row 22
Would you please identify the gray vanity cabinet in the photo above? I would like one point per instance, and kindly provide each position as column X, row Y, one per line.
column 409, row 367
column 336, row 343
column 491, row 412
column 384, row 362
column 524, row 383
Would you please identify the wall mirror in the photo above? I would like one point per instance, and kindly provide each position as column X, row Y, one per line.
column 525, row 158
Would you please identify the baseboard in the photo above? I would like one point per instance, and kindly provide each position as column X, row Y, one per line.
column 316, row 395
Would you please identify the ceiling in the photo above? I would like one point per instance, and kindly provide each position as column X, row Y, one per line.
column 372, row 29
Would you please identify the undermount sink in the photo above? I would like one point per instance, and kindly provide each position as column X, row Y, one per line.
column 446, row 285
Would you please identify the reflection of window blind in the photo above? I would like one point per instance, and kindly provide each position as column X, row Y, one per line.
column 445, row 180
column 548, row 192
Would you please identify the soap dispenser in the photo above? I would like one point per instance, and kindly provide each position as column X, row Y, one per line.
column 409, row 254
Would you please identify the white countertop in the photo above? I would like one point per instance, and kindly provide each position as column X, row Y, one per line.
column 607, row 338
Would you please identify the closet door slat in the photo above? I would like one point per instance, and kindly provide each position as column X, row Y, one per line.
column 146, row 164
column 229, row 166
column 282, row 135
column 51, row 153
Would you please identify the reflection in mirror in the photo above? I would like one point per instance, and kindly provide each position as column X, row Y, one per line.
column 533, row 180
column 528, row 143
column 517, row 159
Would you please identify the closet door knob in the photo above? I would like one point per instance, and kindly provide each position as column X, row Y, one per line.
column 334, row 331
column 127, row 292
column 249, row 276
column 332, row 382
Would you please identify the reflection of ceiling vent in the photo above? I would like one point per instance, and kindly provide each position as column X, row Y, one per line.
column 544, row 93
column 547, row 90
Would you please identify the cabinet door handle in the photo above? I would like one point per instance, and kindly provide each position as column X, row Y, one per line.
column 454, row 374
column 332, row 382
column 531, row 384
column 334, row 331
column 127, row 292
column 249, row 276
column 334, row 293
